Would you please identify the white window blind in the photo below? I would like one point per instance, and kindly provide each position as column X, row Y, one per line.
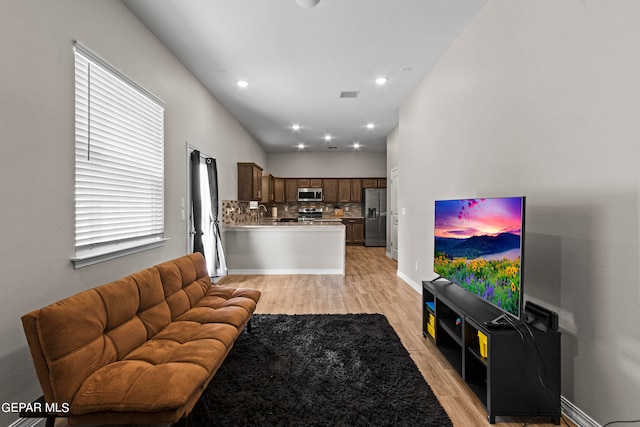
column 119, row 158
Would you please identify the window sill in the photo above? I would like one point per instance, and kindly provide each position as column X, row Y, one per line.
column 94, row 257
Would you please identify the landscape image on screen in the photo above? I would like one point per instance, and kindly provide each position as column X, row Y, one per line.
column 478, row 247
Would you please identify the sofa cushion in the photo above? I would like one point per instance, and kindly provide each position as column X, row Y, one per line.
column 133, row 385
column 223, row 305
column 181, row 357
column 72, row 341
column 184, row 284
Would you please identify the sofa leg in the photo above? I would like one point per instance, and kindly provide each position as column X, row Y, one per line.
column 187, row 419
column 50, row 417
column 249, row 326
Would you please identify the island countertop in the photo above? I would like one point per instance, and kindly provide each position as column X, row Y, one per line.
column 268, row 247
column 294, row 225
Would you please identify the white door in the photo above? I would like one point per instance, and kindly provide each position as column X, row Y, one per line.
column 395, row 176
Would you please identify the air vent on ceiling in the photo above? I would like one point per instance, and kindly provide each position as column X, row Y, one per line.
column 349, row 94
column 333, row 148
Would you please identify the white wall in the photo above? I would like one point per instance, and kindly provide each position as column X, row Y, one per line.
column 542, row 99
column 351, row 164
column 37, row 157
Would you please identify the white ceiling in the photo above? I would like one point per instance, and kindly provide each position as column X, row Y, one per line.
column 297, row 61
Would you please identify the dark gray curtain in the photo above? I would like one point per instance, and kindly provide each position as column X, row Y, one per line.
column 219, row 262
column 197, row 202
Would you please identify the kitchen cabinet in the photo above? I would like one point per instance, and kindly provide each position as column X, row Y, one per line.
column 354, row 231
column 374, row 183
column 330, row 190
column 350, row 190
column 249, row 181
column 278, row 190
column 344, row 190
column 369, row 183
column 356, row 190
column 309, row 182
column 268, row 188
column 291, row 190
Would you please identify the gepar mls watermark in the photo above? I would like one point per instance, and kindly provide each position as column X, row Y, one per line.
column 35, row 407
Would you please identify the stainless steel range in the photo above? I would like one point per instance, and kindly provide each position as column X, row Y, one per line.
column 309, row 214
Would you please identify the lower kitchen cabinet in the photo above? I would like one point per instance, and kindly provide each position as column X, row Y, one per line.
column 354, row 231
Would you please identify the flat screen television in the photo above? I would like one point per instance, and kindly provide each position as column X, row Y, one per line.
column 479, row 246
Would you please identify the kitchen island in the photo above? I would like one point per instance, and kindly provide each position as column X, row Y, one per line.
column 315, row 247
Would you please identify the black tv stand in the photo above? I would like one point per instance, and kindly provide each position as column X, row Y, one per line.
column 504, row 375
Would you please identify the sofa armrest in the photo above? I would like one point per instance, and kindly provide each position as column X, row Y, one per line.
column 29, row 323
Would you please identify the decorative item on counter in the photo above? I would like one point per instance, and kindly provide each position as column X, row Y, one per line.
column 338, row 211
column 274, row 212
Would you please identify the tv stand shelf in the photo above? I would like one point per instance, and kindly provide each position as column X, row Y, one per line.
column 508, row 380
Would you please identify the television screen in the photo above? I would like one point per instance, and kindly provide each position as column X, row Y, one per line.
column 479, row 246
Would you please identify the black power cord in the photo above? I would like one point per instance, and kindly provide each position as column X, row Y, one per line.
column 542, row 370
column 562, row 418
column 621, row 422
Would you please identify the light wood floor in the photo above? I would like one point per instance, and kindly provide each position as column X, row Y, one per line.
column 371, row 285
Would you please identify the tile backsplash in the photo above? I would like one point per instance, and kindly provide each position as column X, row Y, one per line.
column 238, row 212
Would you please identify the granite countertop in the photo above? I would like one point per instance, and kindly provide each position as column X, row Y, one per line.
column 269, row 224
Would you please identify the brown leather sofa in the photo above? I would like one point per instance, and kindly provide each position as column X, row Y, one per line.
column 139, row 350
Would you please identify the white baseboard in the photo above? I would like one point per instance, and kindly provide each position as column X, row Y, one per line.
column 575, row 414
column 416, row 286
column 29, row 422
column 248, row 271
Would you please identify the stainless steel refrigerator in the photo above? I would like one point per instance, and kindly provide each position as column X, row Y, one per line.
column 374, row 204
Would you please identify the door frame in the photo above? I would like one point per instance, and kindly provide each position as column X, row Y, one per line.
column 394, row 217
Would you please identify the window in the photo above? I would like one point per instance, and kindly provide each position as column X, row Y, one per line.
column 119, row 158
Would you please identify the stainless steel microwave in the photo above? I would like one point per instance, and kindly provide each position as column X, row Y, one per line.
column 309, row 194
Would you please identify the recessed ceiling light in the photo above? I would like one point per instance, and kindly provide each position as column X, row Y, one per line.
column 328, row 137
column 356, row 145
column 301, row 146
column 370, row 125
column 242, row 83
column 295, row 127
column 381, row 80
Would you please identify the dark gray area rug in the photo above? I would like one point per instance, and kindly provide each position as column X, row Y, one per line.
column 318, row 370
